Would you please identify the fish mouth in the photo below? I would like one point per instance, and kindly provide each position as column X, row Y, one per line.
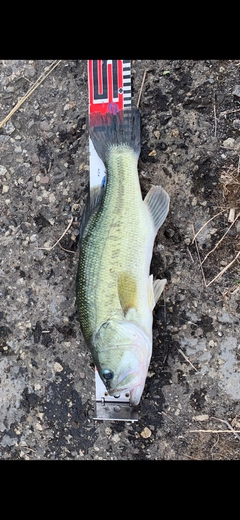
column 136, row 394
column 131, row 385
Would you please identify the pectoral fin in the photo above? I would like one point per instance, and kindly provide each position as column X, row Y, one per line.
column 155, row 290
column 158, row 286
column 157, row 200
column 127, row 291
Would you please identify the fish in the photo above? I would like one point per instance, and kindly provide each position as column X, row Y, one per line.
column 116, row 293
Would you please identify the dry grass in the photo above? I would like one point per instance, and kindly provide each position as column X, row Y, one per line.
column 59, row 239
column 229, row 430
column 35, row 85
column 230, row 184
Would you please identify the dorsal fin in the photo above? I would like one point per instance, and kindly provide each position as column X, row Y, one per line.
column 92, row 204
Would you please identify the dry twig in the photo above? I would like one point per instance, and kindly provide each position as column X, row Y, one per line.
column 215, row 117
column 67, row 250
column 196, row 245
column 214, row 431
column 230, row 429
column 141, row 88
column 225, row 112
column 190, row 254
column 41, row 78
column 219, row 242
column 64, row 233
column 228, row 425
column 206, row 223
column 224, row 269
column 208, row 254
column 187, row 359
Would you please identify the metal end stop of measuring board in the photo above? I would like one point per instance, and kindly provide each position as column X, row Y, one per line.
column 109, row 408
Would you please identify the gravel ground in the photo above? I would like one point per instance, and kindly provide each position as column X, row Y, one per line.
column 191, row 146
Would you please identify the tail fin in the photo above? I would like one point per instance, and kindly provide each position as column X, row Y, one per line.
column 115, row 129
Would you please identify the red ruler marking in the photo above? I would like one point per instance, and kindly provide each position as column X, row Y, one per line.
column 109, row 86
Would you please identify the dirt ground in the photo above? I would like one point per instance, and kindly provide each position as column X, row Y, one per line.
column 190, row 408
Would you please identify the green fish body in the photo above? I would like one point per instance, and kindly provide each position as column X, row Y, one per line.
column 115, row 293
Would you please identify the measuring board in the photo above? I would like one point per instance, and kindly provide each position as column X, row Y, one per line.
column 109, row 87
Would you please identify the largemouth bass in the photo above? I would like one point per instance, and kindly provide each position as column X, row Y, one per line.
column 115, row 292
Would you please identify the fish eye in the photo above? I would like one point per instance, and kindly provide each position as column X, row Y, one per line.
column 107, row 374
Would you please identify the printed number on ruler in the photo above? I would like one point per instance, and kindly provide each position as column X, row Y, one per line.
column 109, row 85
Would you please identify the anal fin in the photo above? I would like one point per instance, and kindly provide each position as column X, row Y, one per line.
column 158, row 287
column 155, row 290
column 157, row 201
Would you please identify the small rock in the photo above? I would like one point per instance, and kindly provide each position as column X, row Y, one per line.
column 31, row 122
column 44, row 179
column 211, row 343
column 169, row 232
column 8, row 441
column 180, row 298
column 44, row 126
column 225, row 318
column 116, row 438
column 175, row 132
column 52, row 197
column 3, row 170
column 229, row 143
column 236, row 123
column 5, row 188
column 9, row 128
column 30, row 71
column 146, row 433
column 58, row 367
column 9, row 89
column 78, row 386
column 236, row 91
column 203, row 417
column 33, row 238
